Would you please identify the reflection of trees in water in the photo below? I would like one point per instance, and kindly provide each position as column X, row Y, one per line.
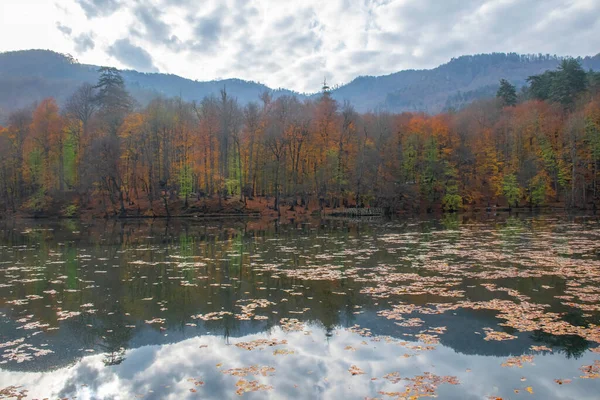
column 573, row 346
column 104, row 331
column 451, row 221
column 228, row 249
column 114, row 357
column 115, row 340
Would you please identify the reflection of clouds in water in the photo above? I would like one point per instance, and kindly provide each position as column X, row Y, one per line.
column 319, row 369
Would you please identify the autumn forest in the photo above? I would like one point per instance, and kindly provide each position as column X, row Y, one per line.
column 536, row 146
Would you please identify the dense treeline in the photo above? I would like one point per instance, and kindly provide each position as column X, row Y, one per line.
column 534, row 147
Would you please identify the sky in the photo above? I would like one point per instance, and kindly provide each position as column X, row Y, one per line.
column 295, row 44
column 318, row 367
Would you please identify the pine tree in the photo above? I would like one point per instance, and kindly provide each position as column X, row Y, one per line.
column 113, row 99
column 570, row 80
column 507, row 93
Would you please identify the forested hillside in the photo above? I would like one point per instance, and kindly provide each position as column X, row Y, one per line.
column 100, row 153
column 32, row 75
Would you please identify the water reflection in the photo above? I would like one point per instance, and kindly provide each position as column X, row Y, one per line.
column 317, row 368
column 124, row 309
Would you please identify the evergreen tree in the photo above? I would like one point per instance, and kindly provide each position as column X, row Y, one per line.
column 561, row 86
column 540, row 86
column 507, row 93
column 113, row 99
column 569, row 81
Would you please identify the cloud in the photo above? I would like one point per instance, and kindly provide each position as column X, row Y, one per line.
column 207, row 31
column 295, row 44
column 84, row 42
column 133, row 56
column 155, row 29
column 64, row 29
column 317, row 368
column 98, row 8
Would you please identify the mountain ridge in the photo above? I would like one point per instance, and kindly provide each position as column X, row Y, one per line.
column 27, row 76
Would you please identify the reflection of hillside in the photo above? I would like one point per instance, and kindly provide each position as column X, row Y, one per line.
column 139, row 270
column 461, row 335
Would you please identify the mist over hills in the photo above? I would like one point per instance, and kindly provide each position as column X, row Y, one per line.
column 30, row 75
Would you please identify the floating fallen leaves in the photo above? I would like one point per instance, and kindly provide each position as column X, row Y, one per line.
column 491, row 334
column 196, row 382
column 13, row 392
column 291, row 324
column 419, row 386
column 213, row 316
column 528, row 389
column 23, row 351
column 562, row 381
column 591, row 371
column 282, row 352
column 540, row 348
column 155, row 321
column 440, row 276
column 249, row 310
column 260, row 344
column 354, row 370
column 252, row 370
column 518, row 361
column 244, row 386
column 63, row 315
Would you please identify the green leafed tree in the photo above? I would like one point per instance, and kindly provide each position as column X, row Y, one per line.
column 511, row 190
column 452, row 201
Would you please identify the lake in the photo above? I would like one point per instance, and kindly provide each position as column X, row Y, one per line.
column 459, row 308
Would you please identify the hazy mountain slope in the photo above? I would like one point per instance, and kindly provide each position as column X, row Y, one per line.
column 31, row 75
column 466, row 77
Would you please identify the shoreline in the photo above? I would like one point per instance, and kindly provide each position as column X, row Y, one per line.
column 327, row 213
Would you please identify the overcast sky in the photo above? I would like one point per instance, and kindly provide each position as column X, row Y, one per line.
column 294, row 44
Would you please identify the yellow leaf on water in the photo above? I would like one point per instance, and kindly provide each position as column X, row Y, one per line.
column 529, row 389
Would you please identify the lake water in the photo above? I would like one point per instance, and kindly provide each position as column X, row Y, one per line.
column 460, row 308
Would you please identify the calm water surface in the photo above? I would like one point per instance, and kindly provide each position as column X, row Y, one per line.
column 459, row 308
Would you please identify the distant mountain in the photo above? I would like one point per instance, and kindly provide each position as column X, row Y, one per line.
column 31, row 75
column 453, row 84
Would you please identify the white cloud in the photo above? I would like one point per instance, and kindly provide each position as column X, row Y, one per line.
column 295, row 44
column 318, row 368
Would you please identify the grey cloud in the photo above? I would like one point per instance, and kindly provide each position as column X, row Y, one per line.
column 430, row 32
column 64, row 29
column 284, row 22
column 238, row 38
column 207, row 33
column 208, row 29
column 307, row 42
column 133, row 56
column 84, row 42
column 98, row 8
column 363, row 56
column 156, row 30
